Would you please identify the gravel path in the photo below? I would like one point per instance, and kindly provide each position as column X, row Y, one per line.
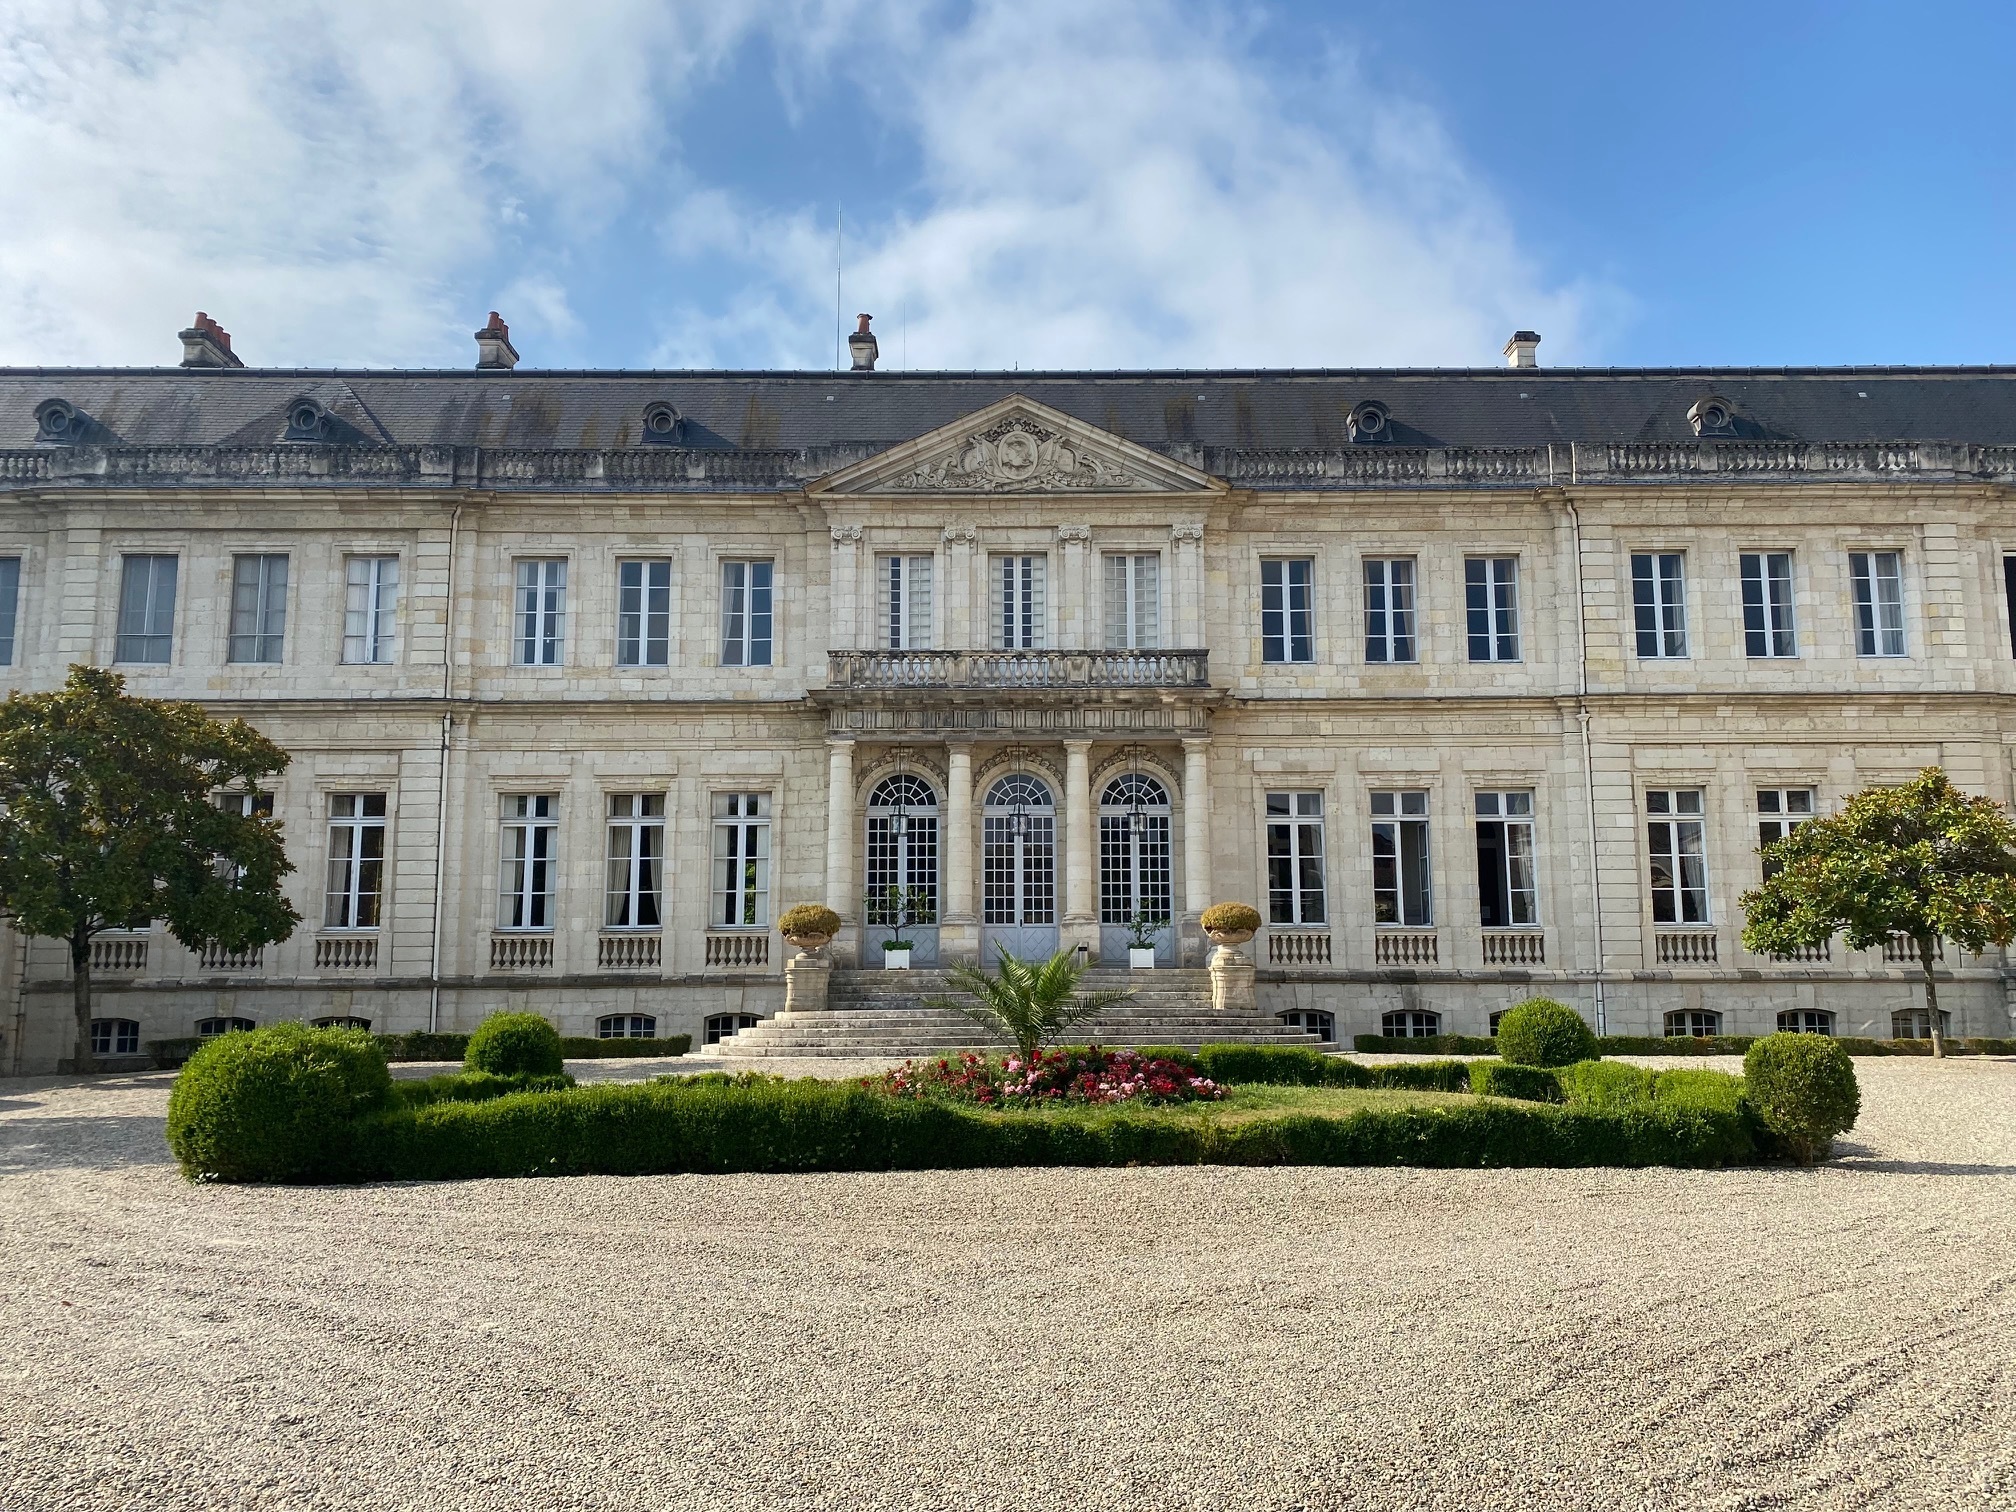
column 1201, row 1338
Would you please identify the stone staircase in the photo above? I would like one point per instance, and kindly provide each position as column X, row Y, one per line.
column 874, row 1015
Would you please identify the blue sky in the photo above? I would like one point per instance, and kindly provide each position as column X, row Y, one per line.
column 1047, row 183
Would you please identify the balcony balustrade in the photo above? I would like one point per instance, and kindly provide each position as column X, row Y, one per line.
column 1012, row 670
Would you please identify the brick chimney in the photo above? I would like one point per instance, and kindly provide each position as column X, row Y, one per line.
column 206, row 344
column 1523, row 350
column 493, row 345
column 862, row 346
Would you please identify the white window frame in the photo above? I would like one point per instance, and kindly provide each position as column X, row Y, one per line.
column 1659, row 605
column 634, row 884
column 903, row 594
column 258, row 609
column 1133, row 587
column 1770, row 613
column 644, row 612
column 742, row 862
column 748, row 611
column 1491, row 589
column 1781, row 810
column 1879, row 603
column 1297, row 892
column 1391, row 610
column 539, row 612
column 10, row 607
column 1510, row 810
column 1287, row 610
column 1401, row 836
column 370, row 609
column 1674, row 817
column 132, row 643
column 528, row 862
column 354, row 817
column 1018, row 600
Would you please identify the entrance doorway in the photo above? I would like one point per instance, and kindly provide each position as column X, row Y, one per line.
column 902, row 868
column 1134, row 866
column 1018, row 870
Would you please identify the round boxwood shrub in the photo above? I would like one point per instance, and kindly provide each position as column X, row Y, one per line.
column 1542, row 1032
column 1803, row 1088
column 514, row 1044
column 273, row 1104
column 808, row 919
column 1230, row 918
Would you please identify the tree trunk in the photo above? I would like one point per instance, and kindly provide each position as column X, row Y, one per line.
column 1925, row 945
column 80, row 1000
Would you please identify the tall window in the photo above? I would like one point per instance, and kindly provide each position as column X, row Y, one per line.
column 1879, row 602
column 356, row 860
column 528, row 860
column 1659, row 598
column 644, row 613
column 902, row 850
column 906, row 601
column 258, row 607
column 542, row 613
column 146, row 610
column 10, row 605
column 1016, row 608
column 1400, row 886
column 1676, row 843
column 1133, row 601
column 1779, row 812
column 745, row 613
column 1295, row 859
column 1389, row 611
column 1767, row 604
column 369, row 607
column 1507, row 895
column 1287, row 618
column 741, row 859
column 2009, row 597
column 1134, row 850
column 1491, row 598
column 636, row 861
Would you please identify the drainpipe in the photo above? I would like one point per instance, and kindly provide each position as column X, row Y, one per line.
column 441, row 794
column 1588, row 755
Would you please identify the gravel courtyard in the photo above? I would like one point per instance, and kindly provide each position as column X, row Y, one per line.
column 1198, row 1338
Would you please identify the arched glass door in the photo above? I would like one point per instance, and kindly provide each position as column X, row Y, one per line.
column 1134, row 866
column 902, row 872
column 1018, row 870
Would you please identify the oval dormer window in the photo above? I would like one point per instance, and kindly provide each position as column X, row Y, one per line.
column 661, row 422
column 58, row 420
column 1712, row 416
column 1370, row 421
column 307, row 421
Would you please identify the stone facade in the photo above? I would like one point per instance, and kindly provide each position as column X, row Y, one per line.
column 857, row 689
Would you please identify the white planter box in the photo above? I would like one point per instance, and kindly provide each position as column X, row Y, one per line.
column 896, row 960
column 1139, row 959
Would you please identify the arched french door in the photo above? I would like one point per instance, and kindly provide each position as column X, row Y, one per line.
column 1018, row 870
column 1134, row 866
column 902, row 871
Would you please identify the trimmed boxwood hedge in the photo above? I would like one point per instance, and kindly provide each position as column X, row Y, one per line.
column 1435, row 1044
column 1496, row 1078
column 1653, row 1044
column 473, row 1086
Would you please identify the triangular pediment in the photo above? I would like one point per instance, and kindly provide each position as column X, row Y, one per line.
column 1017, row 446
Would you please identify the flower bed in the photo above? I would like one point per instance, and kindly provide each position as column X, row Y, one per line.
column 1091, row 1075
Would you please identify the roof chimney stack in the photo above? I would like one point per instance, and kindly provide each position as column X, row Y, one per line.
column 862, row 346
column 206, row 344
column 493, row 346
column 1523, row 350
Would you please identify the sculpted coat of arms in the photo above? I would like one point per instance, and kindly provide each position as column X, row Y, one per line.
column 1017, row 456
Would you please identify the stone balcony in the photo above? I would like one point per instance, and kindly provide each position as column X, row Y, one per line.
column 1136, row 694
column 1017, row 669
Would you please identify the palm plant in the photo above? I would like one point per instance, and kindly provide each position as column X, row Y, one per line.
column 1030, row 1001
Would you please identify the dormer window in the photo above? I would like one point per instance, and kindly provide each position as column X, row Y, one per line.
column 1370, row 421
column 59, row 421
column 308, row 421
column 1712, row 416
column 661, row 422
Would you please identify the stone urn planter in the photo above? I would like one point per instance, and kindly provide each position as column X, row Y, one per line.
column 1230, row 925
column 810, row 927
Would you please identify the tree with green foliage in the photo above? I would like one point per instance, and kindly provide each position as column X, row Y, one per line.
column 110, row 819
column 1029, row 1002
column 1922, row 861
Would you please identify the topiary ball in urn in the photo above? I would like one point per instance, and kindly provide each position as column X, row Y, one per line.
column 809, row 926
column 1230, row 923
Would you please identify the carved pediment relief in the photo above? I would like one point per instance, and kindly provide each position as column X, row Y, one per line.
column 1018, row 447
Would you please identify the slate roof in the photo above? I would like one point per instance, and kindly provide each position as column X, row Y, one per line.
column 1245, row 410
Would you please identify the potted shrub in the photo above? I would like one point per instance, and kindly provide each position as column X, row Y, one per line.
column 1230, row 924
column 1141, row 932
column 809, row 926
column 897, row 909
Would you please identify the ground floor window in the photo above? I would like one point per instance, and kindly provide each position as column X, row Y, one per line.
column 1312, row 1021
column 720, row 1025
column 115, row 1037
column 626, row 1026
column 1410, row 1023
column 341, row 1021
column 1915, row 1024
column 1494, row 1020
column 210, row 1028
column 1806, row 1021
column 1692, row 1024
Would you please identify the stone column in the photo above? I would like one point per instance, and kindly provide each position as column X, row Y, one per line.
column 1074, row 632
column 1187, row 543
column 1196, row 847
column 1080, row 924
column 841, row 893
column 958, row 922
column 958, row 590
column 842, row 584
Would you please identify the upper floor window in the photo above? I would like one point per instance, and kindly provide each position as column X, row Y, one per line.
column 636, row 861
column 1491, row 598
column 1768, row 629
column 1879, row 602
column 1295, row 859
column 746, row 625
column 1779, row 812
column 529, row 861
column 146, row 610
column 356, row 860
column 2009, row 597
column 371, row 599
column 245, row 806
column 1389, row 611
column 1133, row 601
column 1401, row 893
column 1659, row 598
column 644, row 613
column 1676, row 847
column 10, row 604
column 258, row 607
column 542, row 613
column 1287, row 617
column 906, row 601
column 741, row 859
column 1016, row 608
column 1508, row 896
